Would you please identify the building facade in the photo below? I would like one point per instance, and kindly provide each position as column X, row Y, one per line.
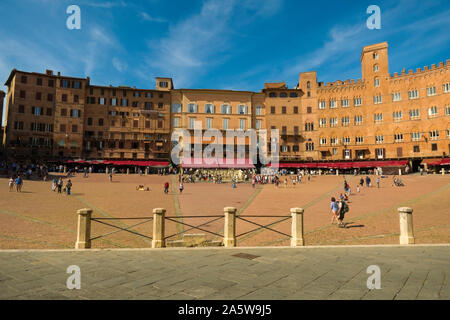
column 381, row 116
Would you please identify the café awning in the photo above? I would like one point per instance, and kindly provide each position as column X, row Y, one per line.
column 239, row 163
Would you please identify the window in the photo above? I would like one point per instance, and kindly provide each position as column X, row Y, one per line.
column 209, row 123
column 431, row 91
column 114, row 101
column 89, row 121
column 322, row 123
column 447, row 110
column 416, row 149
column 334, row 141
column 136, row 94
column 434, row 147
column 323, row 141
column 149, row 95
column 51, row 83
column 448, row 133
column 359, row 140
column 23, row 79
column 259, row 110
column 434, row 134
column 333, row 104
column 147, row 124
column 226, row 109
column 398, row 137
column 397, row 115
column 100, row 122
column 379, row 139
column 74, row 128
column 293, row 95
column 21, row 108
column 258, row 124
column 37, row 111
column 18, row 125
column 135, row 123
column 39, row 81
column 163, row 84
column 378, row 117
column 376, row 68
column 102, row 101
column 335, row 151
column 308, row 109
column 149, row 106
column 375, row 56
column 377, row 99
column 413, row 94
column 124, row 102
column 160, row 105
column 63, row 112
column 446, row 87
column 225, row 124
column 242, row 109
column 64, row 97
column 176, row 107
column 176, row 122
column 283, row 110
column 191, row 123
column 65, row 84
column 161, row 95
column 308, row 85
column 376, row 82
column 49, row 97
column 357, row 101
column 272, row 110
column 272, row 95
column 75, row 113
column 283, row 95
column 38, row 95
column 432, row 111
column 414, row 113
column 346, row 140
column 396, row 96
column 75, row 98
column 209, row 108
column 322, row 104
column 333, row 122
column 192, row 107
column 242, row 124
column 345, row 121
column 309, row 146
column 160, row 124
column 22, row 94
column 415, row 136
column 358, row 120
column 345, row 103
column 309, row 126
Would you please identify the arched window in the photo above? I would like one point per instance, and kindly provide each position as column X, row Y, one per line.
column 376, row 68
column 293, row 95
column 283, row 95
column 272, row 95
column 308, row 85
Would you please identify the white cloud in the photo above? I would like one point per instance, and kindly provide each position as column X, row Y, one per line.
column 147, row 17
column 119, row 65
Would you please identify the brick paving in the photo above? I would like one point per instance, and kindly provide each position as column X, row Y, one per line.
column 407, row 272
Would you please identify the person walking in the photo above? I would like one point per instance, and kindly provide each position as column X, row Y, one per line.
column 11, row 184
column 378, row 182
column 357, row 188
column 334, row 208
column 68, row 187
column 343, row 209
column 367, row 181
column 59, row 185
column 166, row 188
column 361, row 182
column 19, row 183
column 53, row 185
column 181, row 187
column 110, row 176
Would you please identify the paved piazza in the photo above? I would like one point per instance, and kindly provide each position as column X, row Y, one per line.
column 412, row 272
column 38, row 218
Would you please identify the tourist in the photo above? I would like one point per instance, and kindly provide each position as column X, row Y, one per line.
column 53, row 185
column 378, row 182
column 357, row 188
column 334, row 207
column 181, row 187
column 19, row 183
column 110, row 176
column 285, row 182
column 68, row 187
column 166, row 188
column 343, row 208
column 59, row 184
column 361, row 182
column 367, row 181
column 11, row 184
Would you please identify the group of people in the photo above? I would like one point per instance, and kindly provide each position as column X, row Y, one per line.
column 16, row 181
column 57, row 184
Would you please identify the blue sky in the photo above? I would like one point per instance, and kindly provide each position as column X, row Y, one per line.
column 221, row 44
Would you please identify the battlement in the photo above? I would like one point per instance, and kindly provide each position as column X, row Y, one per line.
column 419, row 71
column 340, row 84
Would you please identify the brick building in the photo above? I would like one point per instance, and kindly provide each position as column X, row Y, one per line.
column 402, row 116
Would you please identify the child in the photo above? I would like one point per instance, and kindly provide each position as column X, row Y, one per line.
column 181, row 187
column 11, row 184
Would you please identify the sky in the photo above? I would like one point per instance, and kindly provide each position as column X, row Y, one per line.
column 217, row 44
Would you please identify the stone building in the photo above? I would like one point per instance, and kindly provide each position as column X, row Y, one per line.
column 382, row 116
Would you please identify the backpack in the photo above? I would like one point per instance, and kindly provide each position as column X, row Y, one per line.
column 345, row 207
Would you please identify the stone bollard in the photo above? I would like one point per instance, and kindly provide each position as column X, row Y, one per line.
column 406, row 225
column 128, row 170
column 158, row 228
column 229, row 236
column 399, row 172
column 84, row 229
column 320, row 172
column 443, row 171
column 337, row 172
column 107, row 170
column 297, row 227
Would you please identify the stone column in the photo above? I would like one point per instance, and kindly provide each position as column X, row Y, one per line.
column 128, row 170
column 229, row 236
column 337, row 172
column 443, row 171
column 406, row 225
column 297, row 227
column 158, row 228
column 107, row 170
column 399, row 172
column 84, row 229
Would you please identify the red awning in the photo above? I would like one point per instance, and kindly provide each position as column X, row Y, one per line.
column 443, row 162
column 148, row 163
column 346, row 164
column 217, row 163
